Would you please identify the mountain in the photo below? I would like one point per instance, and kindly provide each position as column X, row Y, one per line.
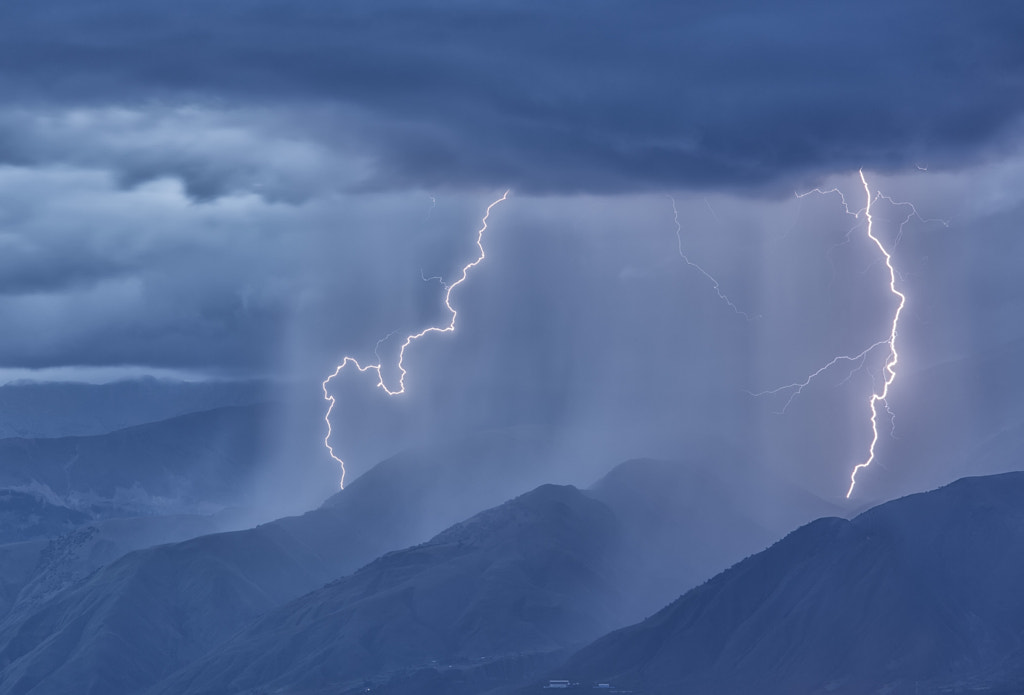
column 18, row 562
column 70, row 505
column 921, row 594
column 524, row 579
column 45, row 546
column 498, row 597
column 643, row 534
column 41, row 567
column 136, row 620
column 964, row 417
column 191, row 463
column 685, row 521
column 25, row 516
column 37, row 410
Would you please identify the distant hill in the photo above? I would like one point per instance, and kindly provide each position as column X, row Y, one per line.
column 25, row 516
column 527, row 577
column 194, row 462
column 35, row 568
column 496, row 598
column 922, row 594
column 36, row 410
column 135, row 621
column 973, row 423
column 69, row 505
column 490, row 602
column 684, row 522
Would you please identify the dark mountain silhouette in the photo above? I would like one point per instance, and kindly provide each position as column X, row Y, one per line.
column 922, row 594
column 973, row 419
column 527, row 577
column 138, row 619
column 194, row 462
column 18, row 562
column 549, row 581
column 684, row 522
column 32, row 570
column 34, row 410
column 493, row 599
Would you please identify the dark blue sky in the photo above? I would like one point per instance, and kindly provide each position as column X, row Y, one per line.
column 229, row 189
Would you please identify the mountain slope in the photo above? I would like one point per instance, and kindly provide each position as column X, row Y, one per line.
column 529, row 576
column 54, row 409
column 194, row 462
column 147, row 614
column 675, row 523
column 38, row 569
column 24, row 517
column 684, row 522
column 920, row 594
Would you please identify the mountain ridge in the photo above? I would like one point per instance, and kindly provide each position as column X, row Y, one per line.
column 920, row 591
column 524, row 577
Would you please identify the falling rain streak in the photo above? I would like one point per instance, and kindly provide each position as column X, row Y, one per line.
column 409, row 340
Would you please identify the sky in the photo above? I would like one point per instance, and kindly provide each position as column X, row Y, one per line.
column 227, row 190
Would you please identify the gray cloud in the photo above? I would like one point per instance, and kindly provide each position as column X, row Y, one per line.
column 238, row 189
column 554, row 96
column 213, row 153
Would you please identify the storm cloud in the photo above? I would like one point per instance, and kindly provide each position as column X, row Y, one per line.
column 257, row 189
column 547, row 97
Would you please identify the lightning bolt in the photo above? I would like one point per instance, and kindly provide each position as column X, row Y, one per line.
column 682, row 254
column 797, row 388
column 893, row 358
column 409, row 339
column 879, row 396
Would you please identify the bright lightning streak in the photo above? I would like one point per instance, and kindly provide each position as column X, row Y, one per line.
column 409, row 340
column 682, row 254
column 893, row 358
column 878, row 396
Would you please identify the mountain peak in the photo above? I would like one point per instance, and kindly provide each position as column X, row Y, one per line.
column 919, row 592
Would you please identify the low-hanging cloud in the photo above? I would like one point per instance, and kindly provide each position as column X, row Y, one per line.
column 551, row 97
column 258, row 189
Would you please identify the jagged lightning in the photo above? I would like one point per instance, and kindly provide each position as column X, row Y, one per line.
column 879, row 396
column 893, row 358
column 682, row 254
column 409, row 340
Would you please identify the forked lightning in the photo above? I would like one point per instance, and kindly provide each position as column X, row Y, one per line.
column 409, row 340
column 879, row 396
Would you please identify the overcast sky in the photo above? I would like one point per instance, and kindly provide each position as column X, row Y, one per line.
column 230, row 189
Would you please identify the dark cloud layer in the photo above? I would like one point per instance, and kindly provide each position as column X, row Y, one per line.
column 598, row 96
column 236, row 188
